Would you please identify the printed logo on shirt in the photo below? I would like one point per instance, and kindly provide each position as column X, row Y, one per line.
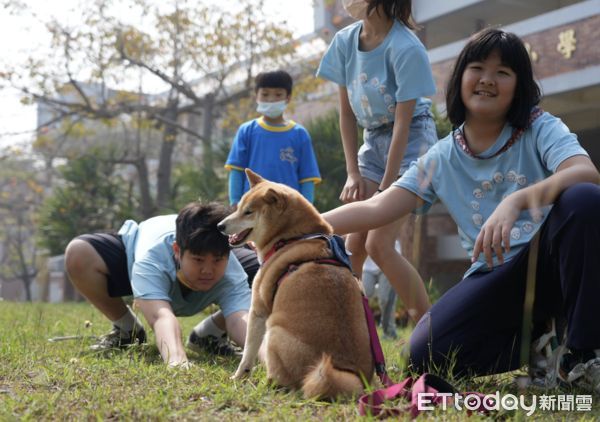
column 287, row 154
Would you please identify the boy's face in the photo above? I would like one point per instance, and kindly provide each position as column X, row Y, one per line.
column 200, row 272
column 272, row 95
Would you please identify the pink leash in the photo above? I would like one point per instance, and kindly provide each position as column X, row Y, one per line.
column 374, row 404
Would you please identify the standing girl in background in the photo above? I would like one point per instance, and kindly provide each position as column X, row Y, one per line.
column 517, row 182
column 383, row 72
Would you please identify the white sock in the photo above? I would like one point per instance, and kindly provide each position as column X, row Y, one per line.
column 128, row 321
column 208, row 328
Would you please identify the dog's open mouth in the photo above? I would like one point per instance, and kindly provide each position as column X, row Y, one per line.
column 238, row 239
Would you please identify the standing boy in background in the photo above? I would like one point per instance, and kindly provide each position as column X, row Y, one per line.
column 279, row 150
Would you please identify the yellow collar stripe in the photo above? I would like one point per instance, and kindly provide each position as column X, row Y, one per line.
column 261, row 121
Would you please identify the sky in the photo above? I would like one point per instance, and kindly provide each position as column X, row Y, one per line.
column 19, row 35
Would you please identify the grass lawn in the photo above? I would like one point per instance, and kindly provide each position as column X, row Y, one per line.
column 42, row 380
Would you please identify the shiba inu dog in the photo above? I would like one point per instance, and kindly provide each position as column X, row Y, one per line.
column 307, row 307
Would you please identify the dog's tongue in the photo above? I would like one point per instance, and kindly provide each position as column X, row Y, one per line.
column 234, row 238
column 238, row 237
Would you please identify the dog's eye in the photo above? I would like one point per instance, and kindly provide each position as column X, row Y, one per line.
column 247, row 212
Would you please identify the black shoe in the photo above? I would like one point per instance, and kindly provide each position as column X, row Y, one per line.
column 221, row 346
column 118, row 338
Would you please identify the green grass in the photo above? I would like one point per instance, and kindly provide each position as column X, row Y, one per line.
column 41, row 380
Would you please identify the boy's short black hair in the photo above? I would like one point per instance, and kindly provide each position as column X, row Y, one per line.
column 514, row 55
column 274, row 79
column 196, row 229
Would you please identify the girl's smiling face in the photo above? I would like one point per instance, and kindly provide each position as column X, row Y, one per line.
column 488, row 88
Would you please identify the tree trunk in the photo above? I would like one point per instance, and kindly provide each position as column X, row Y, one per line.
column 164, row 201
column 147, row 206
column 207, row 125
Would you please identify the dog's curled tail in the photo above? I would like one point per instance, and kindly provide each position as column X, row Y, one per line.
column 326, row 382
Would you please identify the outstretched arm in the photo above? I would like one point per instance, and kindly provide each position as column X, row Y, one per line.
column 382, row 209
column 161, row 318
column 494, row 236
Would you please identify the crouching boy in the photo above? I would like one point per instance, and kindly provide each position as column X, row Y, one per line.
column 173, row 265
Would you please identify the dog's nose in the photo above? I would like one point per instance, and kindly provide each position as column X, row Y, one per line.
column 221, row 227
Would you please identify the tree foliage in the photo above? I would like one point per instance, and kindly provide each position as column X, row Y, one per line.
column 21, row 192
column 198, row 56
column 90, row 198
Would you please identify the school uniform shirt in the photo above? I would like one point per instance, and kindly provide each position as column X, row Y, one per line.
column 472, row 188
column 153, row 271
column 397, row 70
column 282, row 154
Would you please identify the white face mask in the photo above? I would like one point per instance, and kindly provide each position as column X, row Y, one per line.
column 271, row 110
column 356, row 8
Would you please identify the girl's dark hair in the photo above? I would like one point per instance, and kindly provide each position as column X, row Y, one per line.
column 196, row 229
column 396, row 9
column 274, row 79
column 512, row 54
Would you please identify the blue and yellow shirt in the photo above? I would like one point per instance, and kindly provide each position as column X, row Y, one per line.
column 282, row 154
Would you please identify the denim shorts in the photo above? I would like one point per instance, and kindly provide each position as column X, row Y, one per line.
column 373, row 154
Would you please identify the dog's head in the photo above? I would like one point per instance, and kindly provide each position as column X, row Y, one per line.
column 269, row 212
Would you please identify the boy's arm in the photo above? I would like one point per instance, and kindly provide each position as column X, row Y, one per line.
column 307, row 189
column 167, row 331
column 237, row 324
column 236, row 186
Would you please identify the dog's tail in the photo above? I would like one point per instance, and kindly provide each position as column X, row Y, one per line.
column 326, row 382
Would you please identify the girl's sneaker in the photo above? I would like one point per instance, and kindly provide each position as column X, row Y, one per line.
column 582, row 370
column 545, row 355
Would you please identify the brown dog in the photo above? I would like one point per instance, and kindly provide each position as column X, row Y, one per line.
column 316, row 330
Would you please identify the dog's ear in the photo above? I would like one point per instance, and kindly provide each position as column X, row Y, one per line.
column 253, row 178
column 276, row 199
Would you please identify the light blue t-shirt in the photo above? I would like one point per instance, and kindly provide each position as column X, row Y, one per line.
column 397, row 70
column 472, row 188
column 152, row 271
column 282, row 154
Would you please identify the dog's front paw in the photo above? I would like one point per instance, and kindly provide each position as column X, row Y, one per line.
column 241, row 373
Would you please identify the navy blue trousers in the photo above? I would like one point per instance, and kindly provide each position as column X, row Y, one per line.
column 475, row 328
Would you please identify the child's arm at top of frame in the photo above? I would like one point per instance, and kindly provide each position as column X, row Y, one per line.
column 236, row 185
column 400, row 132
column 307, row 189
column 495, row 233
column 377, row 211
column 167, row 331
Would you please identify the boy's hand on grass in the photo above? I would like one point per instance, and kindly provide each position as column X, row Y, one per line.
column 183, row 366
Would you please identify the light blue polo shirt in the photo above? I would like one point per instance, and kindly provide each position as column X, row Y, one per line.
column 472, row 188
column 152, row 271
column 397, row 70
